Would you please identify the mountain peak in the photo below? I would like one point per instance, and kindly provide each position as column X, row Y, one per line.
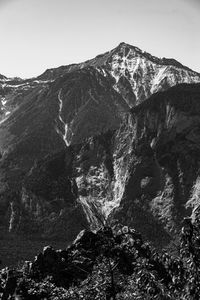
column 158, row 60
column 123, row 56
column 124, row 45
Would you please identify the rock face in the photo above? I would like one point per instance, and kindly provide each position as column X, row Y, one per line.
column 82, row 143
column 135, row 74
column 164, row 164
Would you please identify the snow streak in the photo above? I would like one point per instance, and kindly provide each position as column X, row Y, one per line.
column 67, row 130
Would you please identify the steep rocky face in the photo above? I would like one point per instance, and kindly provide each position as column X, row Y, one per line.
column 73, row 153
column 51, row 142
column 14, row 91
column 164, row 166
column 145, row 73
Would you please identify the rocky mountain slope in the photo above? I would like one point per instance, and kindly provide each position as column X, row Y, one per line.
column 136, row 74
column 164, row 165
column 87, row 142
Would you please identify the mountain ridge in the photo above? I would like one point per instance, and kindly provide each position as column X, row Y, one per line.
column 163, row 60
column 103, row 139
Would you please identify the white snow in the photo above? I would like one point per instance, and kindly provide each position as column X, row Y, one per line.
column 67, row 130
column 5, row 110
column 2, row 121
column 160, row 73
column 146, row 75
column 3, row 102
column 43, row 81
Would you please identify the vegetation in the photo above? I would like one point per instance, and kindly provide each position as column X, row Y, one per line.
column 113, row 263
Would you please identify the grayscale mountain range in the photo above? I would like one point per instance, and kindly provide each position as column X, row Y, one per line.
column 114, row 138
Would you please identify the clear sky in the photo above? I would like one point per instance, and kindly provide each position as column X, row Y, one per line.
column 40, row 34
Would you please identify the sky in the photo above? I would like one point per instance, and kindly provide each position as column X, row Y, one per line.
column 40, row 34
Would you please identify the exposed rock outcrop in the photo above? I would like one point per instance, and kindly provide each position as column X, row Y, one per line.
column 166, row 162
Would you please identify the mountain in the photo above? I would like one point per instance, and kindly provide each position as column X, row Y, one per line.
column 163, row 181
column 115, row 138
column 136, row 74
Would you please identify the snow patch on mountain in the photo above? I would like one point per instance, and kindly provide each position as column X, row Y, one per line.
column 146, row 73
column 5, row 112
column 65, row 126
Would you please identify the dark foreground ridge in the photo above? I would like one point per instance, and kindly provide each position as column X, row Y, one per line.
column 110, row 264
